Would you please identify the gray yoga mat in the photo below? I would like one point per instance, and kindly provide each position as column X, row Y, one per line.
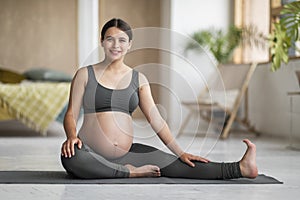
column 61, row 177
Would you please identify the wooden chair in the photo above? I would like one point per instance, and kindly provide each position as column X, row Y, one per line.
column 235, row 80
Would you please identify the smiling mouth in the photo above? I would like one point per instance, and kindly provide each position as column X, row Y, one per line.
column 115, row 52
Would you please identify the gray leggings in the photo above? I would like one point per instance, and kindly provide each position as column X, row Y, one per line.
column 89, row 165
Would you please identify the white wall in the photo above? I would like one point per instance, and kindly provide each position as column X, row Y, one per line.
column 88, row 32
column 191, row 15
column 188, row 72
column 269, row 104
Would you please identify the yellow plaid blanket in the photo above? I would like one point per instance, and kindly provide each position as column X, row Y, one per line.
column 34, row 104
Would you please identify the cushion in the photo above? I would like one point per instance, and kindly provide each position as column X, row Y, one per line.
column 8, row 76
column 44, row 74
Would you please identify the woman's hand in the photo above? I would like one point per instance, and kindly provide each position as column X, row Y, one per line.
column 188, row 158
column 67, row 149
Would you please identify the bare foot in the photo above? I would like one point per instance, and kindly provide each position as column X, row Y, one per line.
column 143, row 171
column 248, row 162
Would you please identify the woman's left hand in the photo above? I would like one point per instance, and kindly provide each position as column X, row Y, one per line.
column 188, row 158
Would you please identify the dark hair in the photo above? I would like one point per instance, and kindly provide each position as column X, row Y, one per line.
column 118, row 23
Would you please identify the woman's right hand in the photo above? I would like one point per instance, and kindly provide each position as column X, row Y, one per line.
column 67, row 149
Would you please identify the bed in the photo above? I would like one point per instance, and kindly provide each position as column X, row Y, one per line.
column 35, row 98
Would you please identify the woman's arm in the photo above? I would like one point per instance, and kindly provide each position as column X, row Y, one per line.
column 159, row 125
column 72, row 114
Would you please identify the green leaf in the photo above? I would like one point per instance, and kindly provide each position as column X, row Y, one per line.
column 291, row 19
column 280, row 43
column 222, row 44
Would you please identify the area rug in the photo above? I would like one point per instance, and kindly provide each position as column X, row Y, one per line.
column 61, row 177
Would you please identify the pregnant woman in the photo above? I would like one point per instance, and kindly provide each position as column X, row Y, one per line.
column 109, row 92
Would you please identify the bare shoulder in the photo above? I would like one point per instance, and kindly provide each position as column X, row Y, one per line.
column 81, row 71
column 81, row 74
column 143, row 81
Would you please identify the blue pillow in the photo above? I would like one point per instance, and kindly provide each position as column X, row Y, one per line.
column 43, row 74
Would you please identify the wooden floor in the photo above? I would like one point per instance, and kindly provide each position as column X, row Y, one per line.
column 42, row 153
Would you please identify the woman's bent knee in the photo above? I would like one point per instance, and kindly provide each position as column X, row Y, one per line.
column 71, row 164
column 87, row 164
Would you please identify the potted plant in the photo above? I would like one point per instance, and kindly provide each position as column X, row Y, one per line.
column 222, row 44
column 284, row 36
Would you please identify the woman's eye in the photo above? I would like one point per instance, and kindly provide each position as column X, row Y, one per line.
column 108, row 39
column 122, row 41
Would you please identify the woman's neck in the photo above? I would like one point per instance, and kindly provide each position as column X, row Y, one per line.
column 116, row 65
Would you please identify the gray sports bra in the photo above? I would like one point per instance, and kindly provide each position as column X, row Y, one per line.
column 98, row 98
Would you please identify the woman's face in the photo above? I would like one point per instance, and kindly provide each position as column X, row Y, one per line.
column 115, row 43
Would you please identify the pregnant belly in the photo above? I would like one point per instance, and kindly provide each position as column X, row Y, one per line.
column 109, row 134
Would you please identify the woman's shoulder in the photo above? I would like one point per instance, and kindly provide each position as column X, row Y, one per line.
column 81, row 73
column 142, row 79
